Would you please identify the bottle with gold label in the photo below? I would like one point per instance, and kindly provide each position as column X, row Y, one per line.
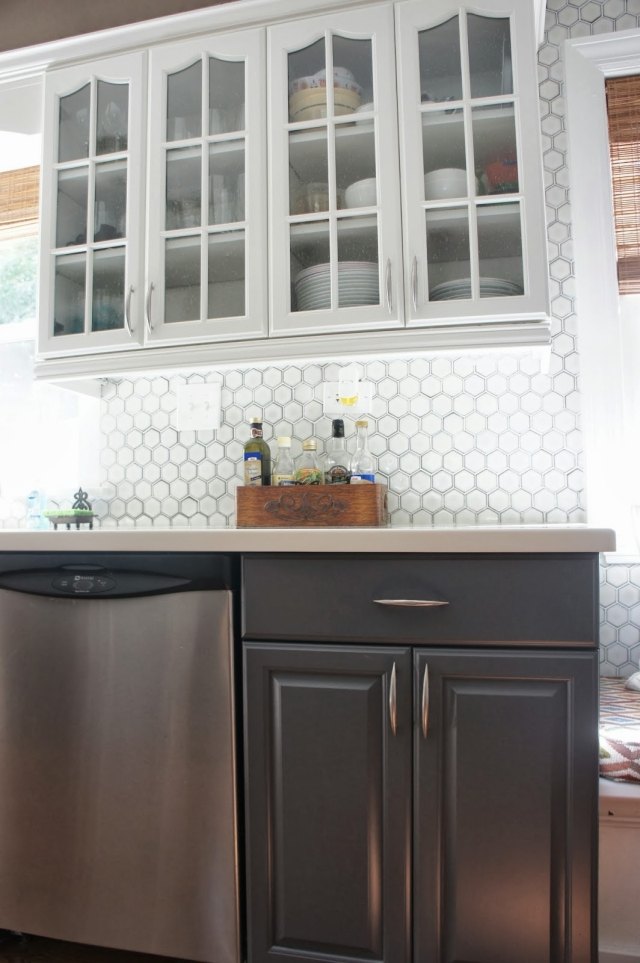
column 257, row 457
column 308, row 472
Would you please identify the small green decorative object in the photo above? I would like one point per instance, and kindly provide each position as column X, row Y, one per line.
column 80, row 514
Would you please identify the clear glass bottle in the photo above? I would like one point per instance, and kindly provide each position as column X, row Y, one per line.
column 308, row 472
column 257, row 457
column 363, row 466
column 336, row 464
column 283, row 465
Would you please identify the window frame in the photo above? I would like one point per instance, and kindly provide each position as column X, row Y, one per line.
column 607, row 354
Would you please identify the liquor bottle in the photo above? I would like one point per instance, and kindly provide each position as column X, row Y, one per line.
column 307, row 471
column 336, row 465
column 283, row 466
column 363, row 469
column 257, row 457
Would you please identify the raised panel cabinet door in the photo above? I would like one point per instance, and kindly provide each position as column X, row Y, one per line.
column 335, row 239
column 473, row 203
column 505, row 807
column 92, row 207
column 328, row 801
column 207, row 190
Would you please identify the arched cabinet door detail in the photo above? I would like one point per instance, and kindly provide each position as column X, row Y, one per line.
column 335, row 219
column 473, row 209
column 91, row 221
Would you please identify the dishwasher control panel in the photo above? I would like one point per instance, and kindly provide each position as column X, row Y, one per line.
column 76, row 584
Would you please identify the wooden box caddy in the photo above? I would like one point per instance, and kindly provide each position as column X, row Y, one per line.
column 311, row 506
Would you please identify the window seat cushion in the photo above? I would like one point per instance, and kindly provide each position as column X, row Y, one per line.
column 619, row 731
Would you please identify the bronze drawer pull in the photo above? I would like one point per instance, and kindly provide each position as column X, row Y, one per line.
column 393, row 702
column 408, row 603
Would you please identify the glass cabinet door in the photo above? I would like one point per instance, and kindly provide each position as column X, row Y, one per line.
column 90, row 226
column 206, row 217
column 335, row 242
column 474, row 237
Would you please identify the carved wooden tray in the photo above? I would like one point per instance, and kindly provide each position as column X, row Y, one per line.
column 312, row 506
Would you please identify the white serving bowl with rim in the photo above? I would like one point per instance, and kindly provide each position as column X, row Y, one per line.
column 445, row 182
column 362, row 193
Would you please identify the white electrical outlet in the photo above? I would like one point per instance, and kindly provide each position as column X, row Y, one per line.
column 347, row 398
column 198, row 407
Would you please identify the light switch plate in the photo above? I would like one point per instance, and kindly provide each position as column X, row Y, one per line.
column 198, row 407
column 343, row 398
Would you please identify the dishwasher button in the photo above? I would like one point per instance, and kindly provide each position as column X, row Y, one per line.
column 83, row 584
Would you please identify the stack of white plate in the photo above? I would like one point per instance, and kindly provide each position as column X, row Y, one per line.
column 357, row 284
column 489, row 288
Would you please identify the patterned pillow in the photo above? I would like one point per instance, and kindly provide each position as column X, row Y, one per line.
column 619, row 731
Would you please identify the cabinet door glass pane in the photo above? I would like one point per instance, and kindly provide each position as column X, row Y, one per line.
column 308, row 171
column 444, row 154
column 356, row 165
column 226, row 96
column 109, row 219
column 226, row 182
column 440, row 63
column 182, row 279
column 448, row 253
column 107, row 311
column 307, row 83
column 74, row 125
column 310, row 268
column 184, row 103
column 494, row 147
column 226, row 268
column 69, row 301
column 184, row 191
column 71, row 210
column 352, row 71
column 113, row 117
column 358, row 262
column 500, row 250
column 489, row 56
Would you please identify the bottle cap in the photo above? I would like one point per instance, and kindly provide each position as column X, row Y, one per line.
column 256, row 420
column 309, row 444
column 337, row 428
column 283, row 441
column 362, row 423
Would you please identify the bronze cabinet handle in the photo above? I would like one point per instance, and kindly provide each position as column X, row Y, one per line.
column 425, row 701
column 393, row 702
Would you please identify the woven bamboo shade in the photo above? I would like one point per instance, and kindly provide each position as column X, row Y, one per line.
column 623, row 110
column 19, row 196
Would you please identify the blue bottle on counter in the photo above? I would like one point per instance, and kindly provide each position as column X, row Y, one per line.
column 36, row 502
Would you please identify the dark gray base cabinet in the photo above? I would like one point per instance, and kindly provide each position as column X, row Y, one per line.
column 434, row 805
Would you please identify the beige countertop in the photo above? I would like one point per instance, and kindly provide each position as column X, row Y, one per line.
column 481, row 538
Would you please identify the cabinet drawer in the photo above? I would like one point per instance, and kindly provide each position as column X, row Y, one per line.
column 505, row 599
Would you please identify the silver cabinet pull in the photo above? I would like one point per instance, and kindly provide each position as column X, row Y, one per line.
column 147, row 309
column 414, row 283
column 388, row 286
column 425, row 701
column 127, row 310
column 393, row 702
column 409, row 603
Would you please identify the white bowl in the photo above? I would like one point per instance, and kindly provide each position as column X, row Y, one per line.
column 446, row 182
column 361, row 193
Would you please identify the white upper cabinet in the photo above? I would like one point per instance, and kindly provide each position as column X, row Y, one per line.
column 335, row 239
column 92, row 215
column 207, row 191
column 473, row 213
column 372, row 174
column 165, row 245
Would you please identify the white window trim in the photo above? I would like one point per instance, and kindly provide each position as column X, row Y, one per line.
column 612, row 477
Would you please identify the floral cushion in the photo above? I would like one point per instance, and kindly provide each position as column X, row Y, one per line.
column 619, row 731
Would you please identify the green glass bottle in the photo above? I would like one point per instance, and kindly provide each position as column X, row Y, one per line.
column 257, row 457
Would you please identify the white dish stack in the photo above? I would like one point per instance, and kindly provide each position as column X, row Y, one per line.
column 357, row 284
column 489, row 288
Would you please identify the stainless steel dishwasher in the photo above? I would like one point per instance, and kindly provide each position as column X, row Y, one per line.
column 118, row 822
